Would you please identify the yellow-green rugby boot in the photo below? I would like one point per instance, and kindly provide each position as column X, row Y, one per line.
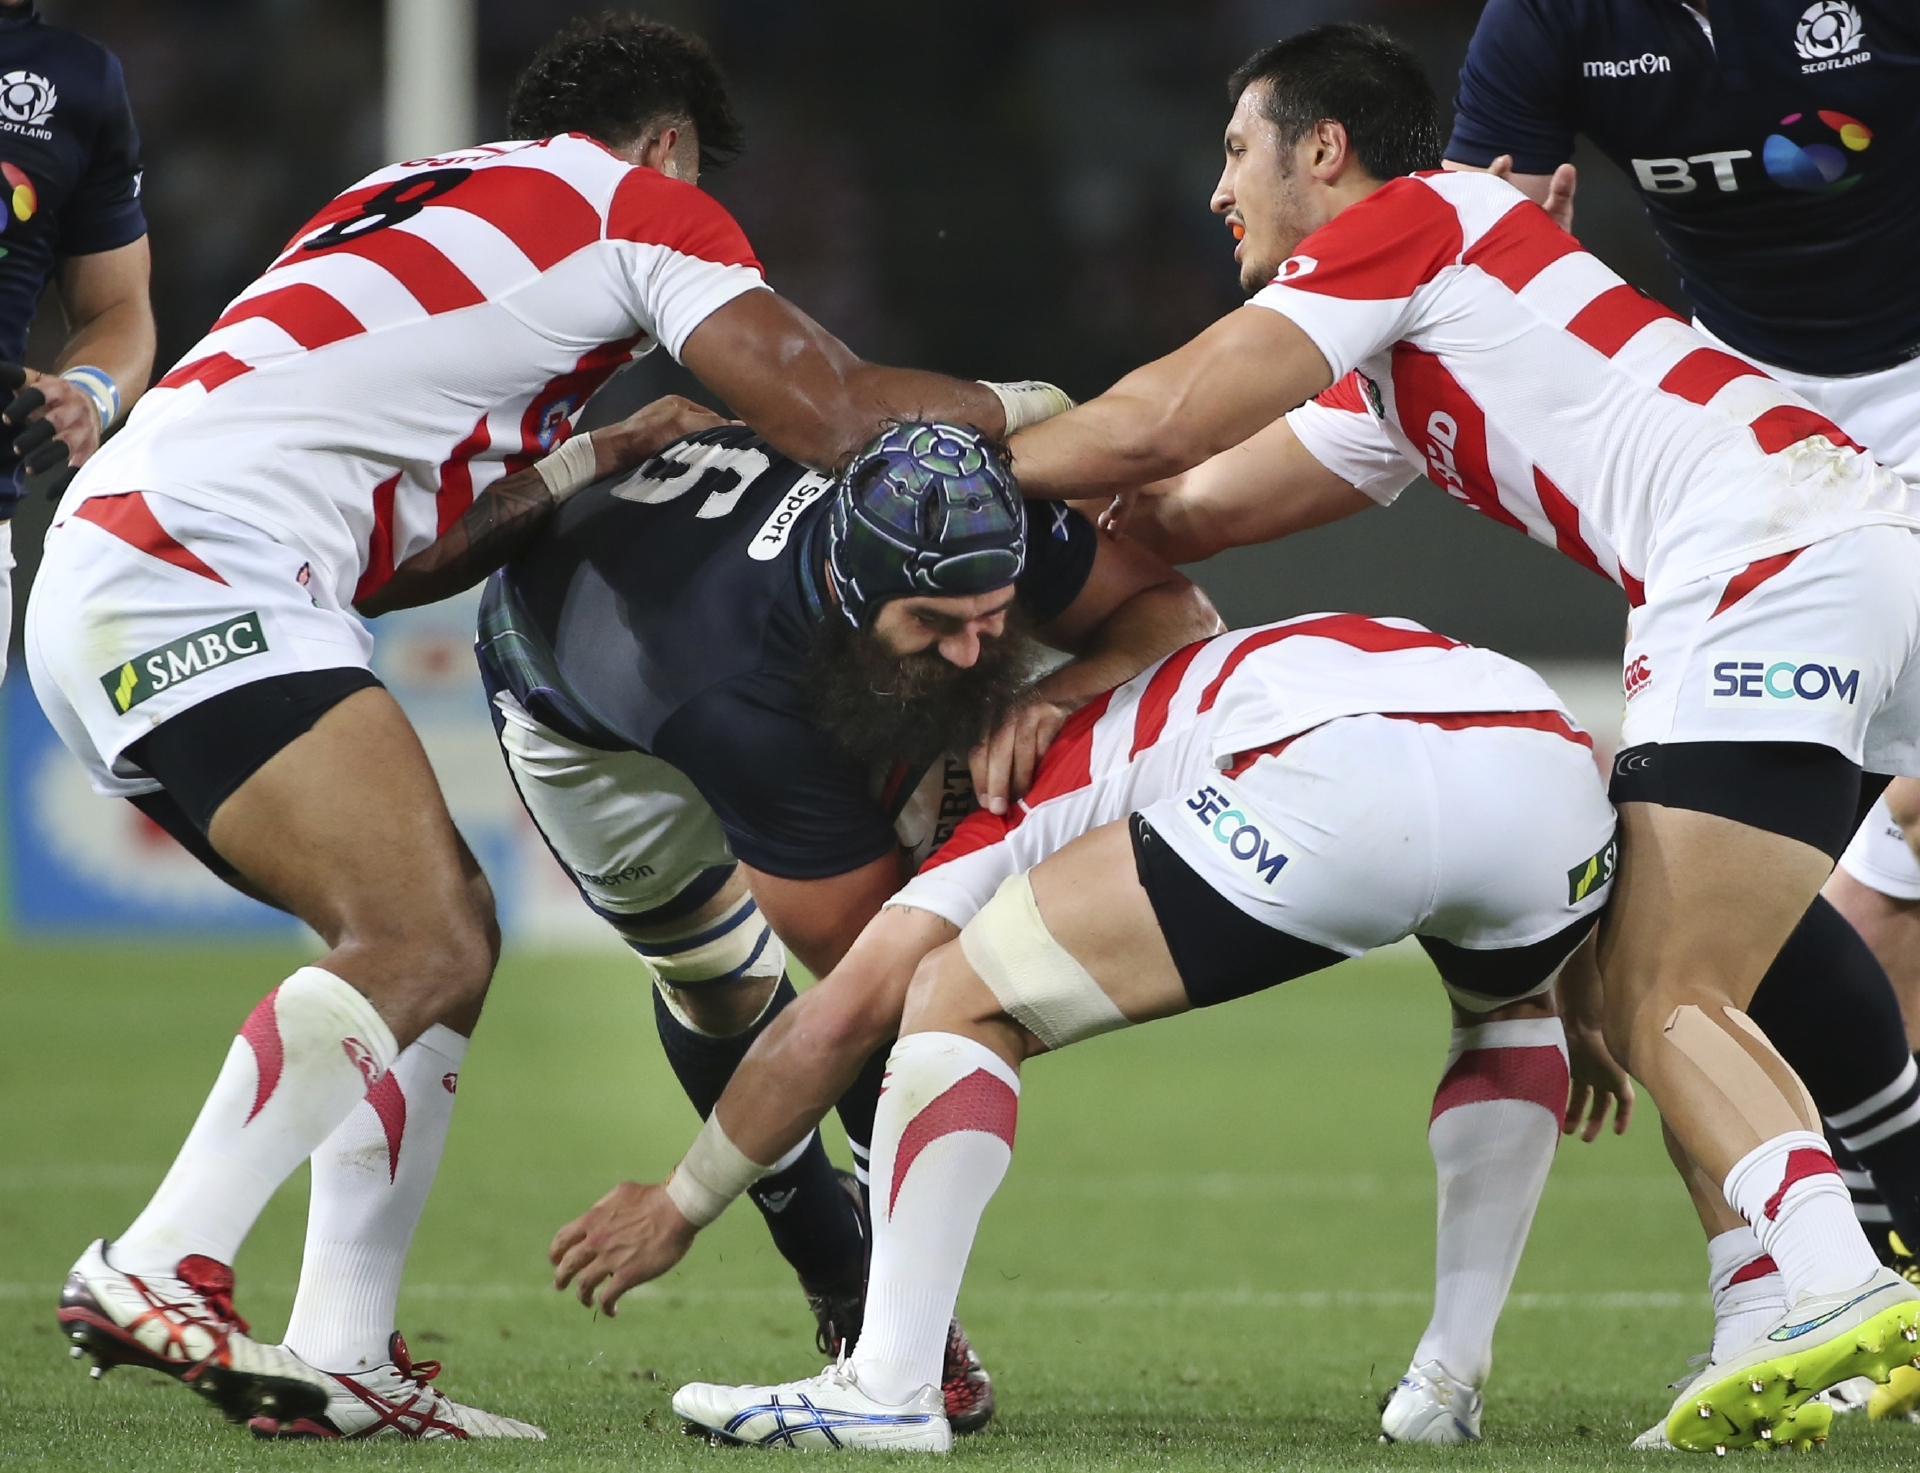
column 1756, row 1395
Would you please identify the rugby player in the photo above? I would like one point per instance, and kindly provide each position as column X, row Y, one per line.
column 430, row 333
column 725, row 688
column 1784, row 204
column 1258, row 806
column 72, row 193
column 1486, row 349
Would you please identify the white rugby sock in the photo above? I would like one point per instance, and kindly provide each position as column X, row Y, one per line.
column 305, row 1056
column 942, row 1138
column 1495, row 1126
column 370, row 1183
column 1748, row 1292
column 1790, row 1193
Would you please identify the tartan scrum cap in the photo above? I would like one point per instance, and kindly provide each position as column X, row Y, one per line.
column 926, row 509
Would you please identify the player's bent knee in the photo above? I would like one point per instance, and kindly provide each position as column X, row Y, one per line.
column 1037, row 981
column 734, row 944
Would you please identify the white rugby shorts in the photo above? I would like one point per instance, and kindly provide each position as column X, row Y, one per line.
column 144, row 607
column 1880, row 857
column 1355, row 834
column 1819, row 645
column 631, row 829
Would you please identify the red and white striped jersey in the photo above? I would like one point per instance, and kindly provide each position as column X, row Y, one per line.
column 1472, row 340
column 1212, row 706
column 435, row 327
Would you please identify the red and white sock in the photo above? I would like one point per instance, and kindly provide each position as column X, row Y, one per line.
column 1790, row 1193
column 304, row 1058
column 370, row 1183
column 1495, row 1126
column 942, row 1138
column 1748, row 1292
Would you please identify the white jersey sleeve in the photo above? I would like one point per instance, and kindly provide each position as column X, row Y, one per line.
column 683, row 255
column 1351, row 285
column 1340, row 432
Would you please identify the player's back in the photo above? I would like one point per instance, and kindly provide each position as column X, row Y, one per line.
column 1526, row 378
column 1206, row 704
column 654, row 587
column 434, row 327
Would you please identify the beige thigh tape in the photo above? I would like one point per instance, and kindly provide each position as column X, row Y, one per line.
column 1748, row 1088
column 1034, row 977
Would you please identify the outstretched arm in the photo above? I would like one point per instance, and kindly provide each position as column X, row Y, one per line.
column 808, row 394
column 1232, row 381
column 1264, row 488
column 789, row 1079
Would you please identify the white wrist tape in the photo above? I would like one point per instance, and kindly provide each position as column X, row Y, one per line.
column 1029, row 402
column 569, row 468
column 100, row 388
column 712, row 1173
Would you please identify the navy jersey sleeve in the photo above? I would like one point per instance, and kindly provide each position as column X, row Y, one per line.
column 1061, row 545
column 1516, row 91
column 103, row 212
column 790, row 801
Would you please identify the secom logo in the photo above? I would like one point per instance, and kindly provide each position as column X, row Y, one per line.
column 1744, row 679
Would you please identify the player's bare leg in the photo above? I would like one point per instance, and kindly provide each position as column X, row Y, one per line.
column 345, row 827
column 1086, row 932
column 1701, row 905
column 720, row 982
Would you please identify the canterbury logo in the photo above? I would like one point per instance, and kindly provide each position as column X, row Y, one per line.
column 362, row 1057
column 1794, row 1332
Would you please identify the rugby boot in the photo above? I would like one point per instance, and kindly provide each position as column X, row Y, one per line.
column 186, row 1327
column 1802, row 1430
column 1899, row 1399
column 1757, row 1394
column 1429, row 1405
column 395, row 1401
column 829, row 1410
column 837, row 1313
column 965, row 1386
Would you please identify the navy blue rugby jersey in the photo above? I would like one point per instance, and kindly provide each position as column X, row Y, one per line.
column 70, row 159
column 1779, row 160
column 669, row 610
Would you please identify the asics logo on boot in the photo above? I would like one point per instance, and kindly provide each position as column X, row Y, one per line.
column 1794, row 1332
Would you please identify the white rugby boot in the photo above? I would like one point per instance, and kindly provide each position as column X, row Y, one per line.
column 186, row 1327
column 826, row 1411
column 1848, row 1396
column 395, row 1401
column 1761, row 1393
column 1431, row 1406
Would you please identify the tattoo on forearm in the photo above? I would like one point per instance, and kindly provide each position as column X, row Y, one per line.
column 498, row 524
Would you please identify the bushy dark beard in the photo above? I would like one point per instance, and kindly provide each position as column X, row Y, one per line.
column 884, row 708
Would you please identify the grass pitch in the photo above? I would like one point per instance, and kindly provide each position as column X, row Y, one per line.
column 1213, row 1250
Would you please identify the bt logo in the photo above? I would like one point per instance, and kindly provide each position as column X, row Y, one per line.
column 20, row 198
column 1235, row 832
column 1740, row 679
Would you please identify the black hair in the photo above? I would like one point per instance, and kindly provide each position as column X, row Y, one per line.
column 1354, row 75
column 615, row 77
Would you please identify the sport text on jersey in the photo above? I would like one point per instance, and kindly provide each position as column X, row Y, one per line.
column 145, row 676
column 771, row 540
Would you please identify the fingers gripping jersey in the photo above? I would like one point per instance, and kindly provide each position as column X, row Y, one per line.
column 1494, row 355
column 1197, row 711
column 435, row 327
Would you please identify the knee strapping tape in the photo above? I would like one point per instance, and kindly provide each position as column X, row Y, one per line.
column 738, row 944
column 1032, row 975
column 1729, row 1068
